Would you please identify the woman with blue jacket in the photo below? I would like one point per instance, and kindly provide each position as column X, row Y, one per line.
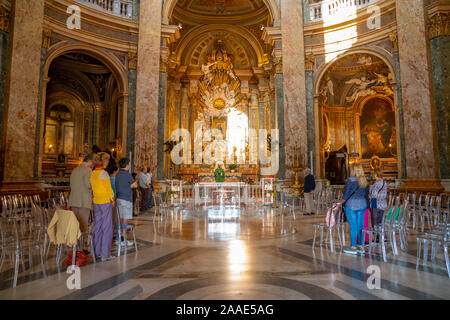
column 355, row 197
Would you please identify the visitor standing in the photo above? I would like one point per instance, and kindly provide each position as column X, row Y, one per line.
column 309, row 187
column 378, row 203
column 124, row 185
column 144, row 187
column 103, row 204
column 80, row 199
column 355, row 197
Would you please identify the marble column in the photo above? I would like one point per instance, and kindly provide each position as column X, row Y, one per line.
column 279, row 90
column 131, row 113
column 40, row 122
column 161, row 120
column 22, row 84
column 148, row 76
column 4, row 61
column 420, row 142
column 440, row 60
column 310, row 116
column 294, row 78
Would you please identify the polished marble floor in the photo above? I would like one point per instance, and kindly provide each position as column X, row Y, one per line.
column 256, row 253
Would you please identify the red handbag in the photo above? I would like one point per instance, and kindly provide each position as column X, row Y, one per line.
column 80, row 259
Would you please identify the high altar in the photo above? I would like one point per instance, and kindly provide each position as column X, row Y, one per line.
column 221, row 87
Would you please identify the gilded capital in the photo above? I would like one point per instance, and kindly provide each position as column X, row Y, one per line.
column 310, row 61
column 438, row 25
column 132, row 60
column 46, row 39
column 394, row 40
column 278, row 62
column 4, row 19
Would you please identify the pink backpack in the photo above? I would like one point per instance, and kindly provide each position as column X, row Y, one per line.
column 332, row 212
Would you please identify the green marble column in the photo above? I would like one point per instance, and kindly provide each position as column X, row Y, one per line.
column 310, row 115
column 306, row 17
column 131, row 111
column 42, row 89
column 280, row 115
column 440, row 60
column 161, row 118
column 400, row 116
column 4, row 37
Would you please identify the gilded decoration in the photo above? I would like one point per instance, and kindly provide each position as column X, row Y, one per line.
column 4, row 19
column 132, row 60
column 47, row 37
column 219, row 87
column 356, row 96
column 438, row 25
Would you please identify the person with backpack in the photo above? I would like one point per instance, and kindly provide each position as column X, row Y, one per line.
column 355, row 197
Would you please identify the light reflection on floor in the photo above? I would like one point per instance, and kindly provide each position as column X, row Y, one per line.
column 224, row 223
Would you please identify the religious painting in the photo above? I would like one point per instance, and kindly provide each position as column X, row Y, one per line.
column 68, row 139
column 221, row 125
column 377, row 125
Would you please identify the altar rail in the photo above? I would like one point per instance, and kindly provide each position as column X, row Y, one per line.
column 334, row 9
column 121, row 8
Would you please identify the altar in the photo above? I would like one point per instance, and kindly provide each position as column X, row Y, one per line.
column 220, row 194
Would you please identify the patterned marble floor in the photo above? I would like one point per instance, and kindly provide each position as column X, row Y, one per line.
column 249, row 254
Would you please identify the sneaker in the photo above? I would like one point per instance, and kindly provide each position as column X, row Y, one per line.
column 351, row 250
column 129, row 243
column 360, row 249
column 107, row 259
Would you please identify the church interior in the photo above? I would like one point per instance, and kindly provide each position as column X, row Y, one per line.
column 226, row 106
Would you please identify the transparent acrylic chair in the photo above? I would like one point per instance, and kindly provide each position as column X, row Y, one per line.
column 329, row 229
column 437, row 237
column 123, row 232
column 15, row 239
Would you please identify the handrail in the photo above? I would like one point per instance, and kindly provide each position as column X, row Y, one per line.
column 121, row 8
column 334, row 9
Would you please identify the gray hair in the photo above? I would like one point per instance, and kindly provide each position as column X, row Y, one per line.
column 307, row 171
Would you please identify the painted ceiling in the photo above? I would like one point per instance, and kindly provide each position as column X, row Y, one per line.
column 221, row 7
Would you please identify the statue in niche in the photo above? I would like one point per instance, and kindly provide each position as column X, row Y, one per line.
column 328, row 90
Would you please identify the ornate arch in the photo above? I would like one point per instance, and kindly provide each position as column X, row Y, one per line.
column 248, row 39
column 323, row 69
column 108, row 59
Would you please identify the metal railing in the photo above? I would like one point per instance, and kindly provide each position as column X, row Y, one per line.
column 336, row 9
column 121, row 8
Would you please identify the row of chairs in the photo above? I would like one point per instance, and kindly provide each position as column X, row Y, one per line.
column 393, row 225
column 23, row 230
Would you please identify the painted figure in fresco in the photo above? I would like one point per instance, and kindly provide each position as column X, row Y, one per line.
column 363, row 88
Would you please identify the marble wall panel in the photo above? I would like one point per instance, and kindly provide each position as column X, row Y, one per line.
column 294, row 78
column 23, row 86
column 440, row 55
column 417, row 109
column 147, row 88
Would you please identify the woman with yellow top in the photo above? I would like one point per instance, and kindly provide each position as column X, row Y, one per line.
column 103, row 202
